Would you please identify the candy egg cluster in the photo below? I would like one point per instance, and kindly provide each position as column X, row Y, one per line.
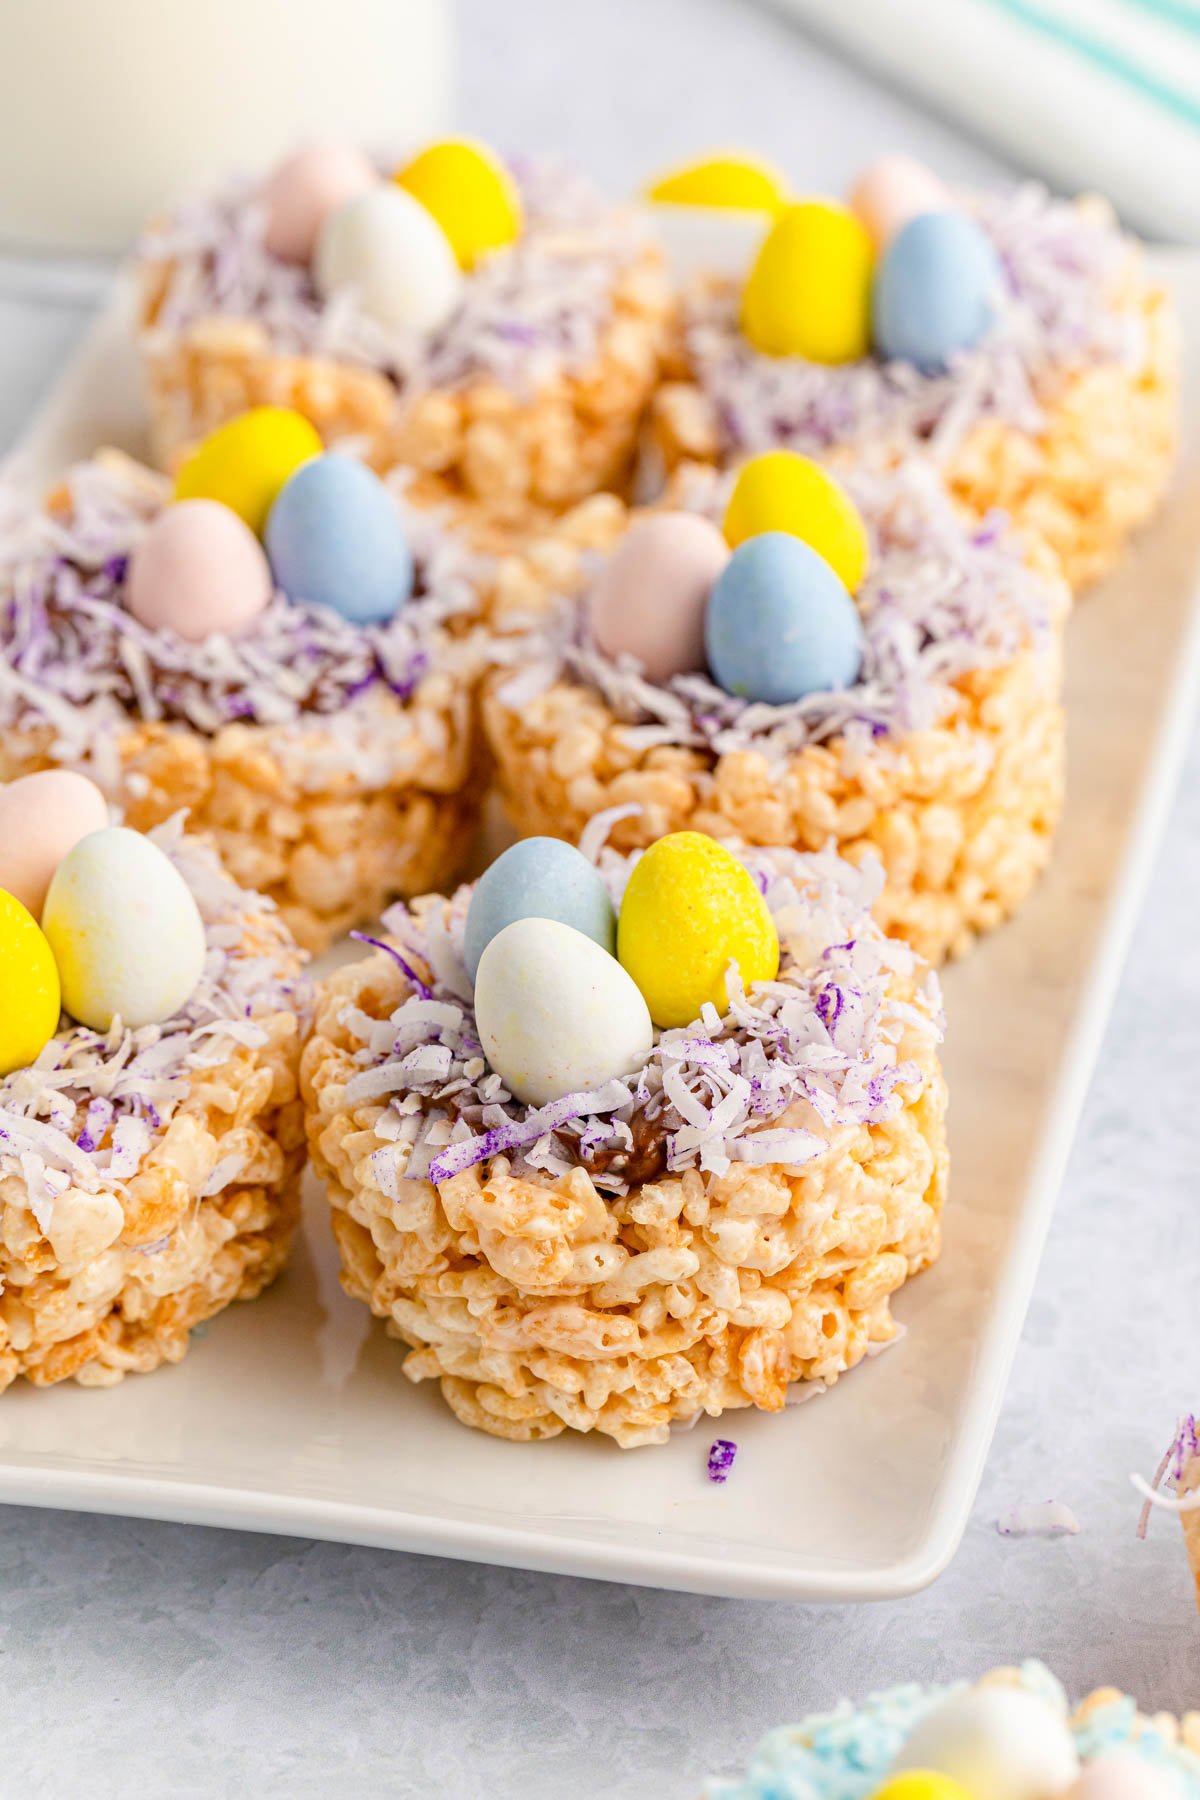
column 568, row 990
column 120, row 934
column 765, row 604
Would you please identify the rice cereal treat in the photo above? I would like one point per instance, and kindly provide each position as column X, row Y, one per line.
column 1017, row 336
column 151, row 1131
column 1012, row 1735
column 497, row 327
column 864, row 666
column 1176, row 1488
column 610, row 1192
column 310, row 703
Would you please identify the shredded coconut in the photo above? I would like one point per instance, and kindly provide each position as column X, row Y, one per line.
column 1044, row 1518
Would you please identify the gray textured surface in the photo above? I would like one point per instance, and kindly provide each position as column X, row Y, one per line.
column 160, row 1659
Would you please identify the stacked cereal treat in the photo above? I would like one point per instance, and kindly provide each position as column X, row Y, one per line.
column 790, row 661
column 497, row 327
column 612, row 1144
column 1012, row 1736
column 151, row 1132
column 309, row 697
column 1016, row 336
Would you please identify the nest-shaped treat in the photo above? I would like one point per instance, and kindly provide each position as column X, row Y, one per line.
column 945, row 759
column 728, row 1221
column 1064, row 416
column 150, row 1177
column 336, row 765
column 530, row 397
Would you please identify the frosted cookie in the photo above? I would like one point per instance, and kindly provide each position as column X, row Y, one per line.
column 1017, row 337
column 1012, row 1736
column 308, row 697
column 787, row 659
column 610, row 1145
column 495, row 326
column 151, row 1133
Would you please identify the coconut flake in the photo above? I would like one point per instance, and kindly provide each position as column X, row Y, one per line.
column 1038, row 1518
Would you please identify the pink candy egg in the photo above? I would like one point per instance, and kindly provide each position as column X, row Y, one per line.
column 649, row 598
column 302, row 192
column 1123, row 1775
column 892, row 191
column 198, row 571
column 43, row 816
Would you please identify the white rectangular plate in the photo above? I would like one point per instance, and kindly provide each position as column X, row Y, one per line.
column 292, row 1415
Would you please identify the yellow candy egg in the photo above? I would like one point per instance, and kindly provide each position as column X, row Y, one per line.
column 745, row 183
column 922, row 1784
column 469, row 192
column 781, row 491
column 809, row 291
column 690, row 909
column 246, row 461
column 30, row 1001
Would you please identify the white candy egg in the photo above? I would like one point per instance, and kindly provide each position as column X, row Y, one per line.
column 556, row 1013
column 999, row 1743
column 125, row 931
column 394, row 255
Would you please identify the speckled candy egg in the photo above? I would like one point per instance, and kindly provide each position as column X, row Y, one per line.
column 125, row 931
column 469, row 192
column 999, row 1742
column 246, row 461
column 539, row 878
column 809, row 290
column 43, row 816
column 936, row 290
column 335, row 537
column 781, row 491
column 738, row 180
column 198, row 571
column 29, row 987
column 648, row 599
column 299, row 195
column 1124, row 1775
column 556, row 1014
column 393, row 254
column 780, row 624
column 893, row 190
column 690, row 909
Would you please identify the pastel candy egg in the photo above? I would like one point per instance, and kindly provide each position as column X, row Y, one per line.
column 780, row 623
column 197, row 571
column 893, row 190
column 29, row 989
column 809, row 290
column 689, row 910
column 935, row 290
column 335, row 538
column 999, row 1743
column 648, row 599
column 539, row 878
column 921, row 1784
column 43, row 816
column 556, row 1014
column 1125, row 1775
column 391, row 251
column 469, row 192
column 125, row 931
column 246, row 461
column 738, row 180
column 782, row 491
column 304, row 189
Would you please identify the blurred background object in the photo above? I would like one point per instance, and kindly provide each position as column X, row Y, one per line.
column 105, row 110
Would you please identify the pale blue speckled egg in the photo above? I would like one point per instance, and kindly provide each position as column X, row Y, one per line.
column 780, row 623
column 936, row 290
column 539, row 878
column 335, row 537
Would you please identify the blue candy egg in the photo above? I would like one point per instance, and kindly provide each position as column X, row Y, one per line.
column 780, row 623
column 539, row 878
column 935, row 290
column 334, row 537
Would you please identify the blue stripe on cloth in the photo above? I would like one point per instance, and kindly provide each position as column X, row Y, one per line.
column 1104, row 56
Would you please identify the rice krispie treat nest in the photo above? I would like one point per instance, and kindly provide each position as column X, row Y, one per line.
column 335, row 764
column 1064, row 416
column 1103, row 1746
column 530, row 397
column 150, row 1177
column 945, row 759
column 728, row 1221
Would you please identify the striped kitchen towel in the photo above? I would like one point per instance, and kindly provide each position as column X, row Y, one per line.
column 1088, row 94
